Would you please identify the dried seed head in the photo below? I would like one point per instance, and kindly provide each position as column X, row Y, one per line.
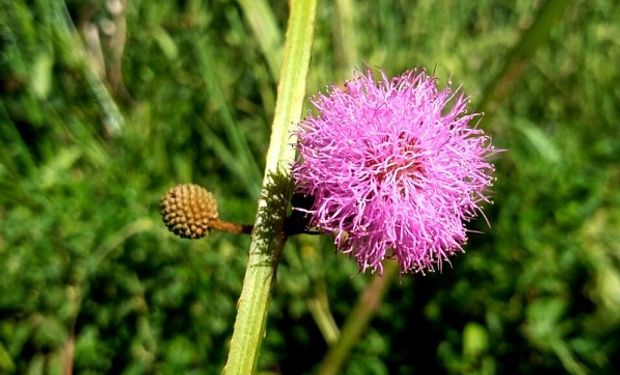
column 188, row 210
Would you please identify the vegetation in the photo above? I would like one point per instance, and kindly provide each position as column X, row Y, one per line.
column 107, row 104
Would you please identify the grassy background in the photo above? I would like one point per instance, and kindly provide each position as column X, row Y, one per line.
column 103, row 110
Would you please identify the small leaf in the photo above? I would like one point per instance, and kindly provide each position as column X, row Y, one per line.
column 475, row 340
column 166, row 43
column 41, row 79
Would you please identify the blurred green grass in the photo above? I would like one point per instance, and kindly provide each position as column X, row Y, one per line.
column 85, row 261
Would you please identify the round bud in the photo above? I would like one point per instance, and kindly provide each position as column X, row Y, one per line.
column 188, row 210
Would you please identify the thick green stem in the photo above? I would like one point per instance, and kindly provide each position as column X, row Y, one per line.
column 268, row 238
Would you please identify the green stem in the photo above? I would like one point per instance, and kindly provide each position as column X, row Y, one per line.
column 113, row 120
column 519, row 56
column 357, row 321
column 262, row 22
column 345, row 49
column 268, row 238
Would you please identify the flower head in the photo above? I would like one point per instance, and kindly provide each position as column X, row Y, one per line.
column 189, row 210
column 395, row 169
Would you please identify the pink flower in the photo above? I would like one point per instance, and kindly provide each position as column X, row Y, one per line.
column 394, row 169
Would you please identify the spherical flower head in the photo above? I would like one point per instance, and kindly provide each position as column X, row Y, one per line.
column 395, row 169
column 189, row 210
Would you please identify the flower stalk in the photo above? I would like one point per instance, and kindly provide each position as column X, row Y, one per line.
column 358, row 320
column 268, row 237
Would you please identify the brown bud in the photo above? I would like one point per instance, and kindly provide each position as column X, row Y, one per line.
column 188, row 210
